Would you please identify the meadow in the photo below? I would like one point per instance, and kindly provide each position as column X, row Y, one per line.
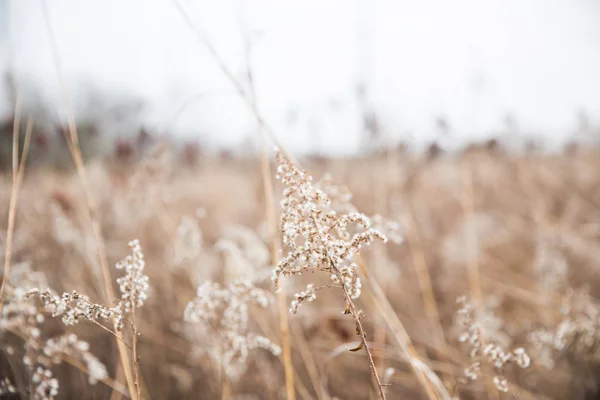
column 469, row 276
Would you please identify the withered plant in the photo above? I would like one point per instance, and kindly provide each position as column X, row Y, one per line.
column 320, row 240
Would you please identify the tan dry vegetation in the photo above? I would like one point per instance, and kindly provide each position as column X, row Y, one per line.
column 517, row 235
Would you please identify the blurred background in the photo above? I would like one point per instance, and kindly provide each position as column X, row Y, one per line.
column 330, row 77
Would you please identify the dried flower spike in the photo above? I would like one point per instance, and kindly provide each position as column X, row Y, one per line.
column 225, row 309
column 321, row 239
column 482, row 354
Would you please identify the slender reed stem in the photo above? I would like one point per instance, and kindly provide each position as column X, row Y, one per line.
column 355, row 314
column 281, row 300
column 136, row 361
column 424, row 278
column 361, row 331
column 419, row 368
column 73, row 144
column 12, row 210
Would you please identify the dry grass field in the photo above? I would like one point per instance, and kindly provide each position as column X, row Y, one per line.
column 517, row 236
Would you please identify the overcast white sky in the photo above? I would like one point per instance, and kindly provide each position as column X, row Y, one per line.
column 472, row 62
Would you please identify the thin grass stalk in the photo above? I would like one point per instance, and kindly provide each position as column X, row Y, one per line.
column 424, row 278
column 115, row 385
column 309, row 361
column 136, row 361
column 225, row 387
column 421, row 370
column 12, row 209
column 15, row 143
column 380, row 255
column 75, row 150
column 361, row 332
column 264, row 325
column 471, row 238
column 281, row 299
column 473, row 260
column 239, row 88
column 272, row 224
column 356, row 315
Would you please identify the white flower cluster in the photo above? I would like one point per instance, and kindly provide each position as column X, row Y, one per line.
column 134, row 285
column 575, row 335
column 46, row 385
column 42, row 356
column 6, row 387
column 341, row 201
column 226, row 310
column 245, row 254
column 319, row 237
column 306, row 296
column 482, row 353
column 73, row 307
column 188, row 240
column 19, row 312
column 21, row 316
column 70, row 345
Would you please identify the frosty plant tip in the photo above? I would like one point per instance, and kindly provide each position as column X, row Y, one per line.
column 320, row 239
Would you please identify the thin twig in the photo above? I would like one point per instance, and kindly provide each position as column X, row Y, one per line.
column 16, row 131
column 111, row 383
column 12, row 210
column 73, row 145
column 473, row 259
column 281, row 300
column 354, row 312
column 136, row 372
column 113, row 333
column 272, row 224
column 424, row 278
column 400, row 334
column 309, row 361
column 361, row 332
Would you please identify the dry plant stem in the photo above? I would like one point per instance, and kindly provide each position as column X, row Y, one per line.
column 268, row 331
column 400, row 334
column 472, row 245
column 471, row 239
column 380, row 251
column 73, row 145
column 309, row 361
column 355, row 315
column 115, row 385
column 113, row 333
column 286, row 348
column 225, row 388
column 424, row 278
column 281, row 300
column 12, row 210
column 361, row 332
column 16, row 130
column 136, row 361
column 270, row 133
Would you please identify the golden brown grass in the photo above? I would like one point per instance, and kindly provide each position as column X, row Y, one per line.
column 518, row 235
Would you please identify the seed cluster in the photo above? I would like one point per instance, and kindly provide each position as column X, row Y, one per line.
column 21, row 316
column 225, row 310
column 489, row 354
column 319, row 238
